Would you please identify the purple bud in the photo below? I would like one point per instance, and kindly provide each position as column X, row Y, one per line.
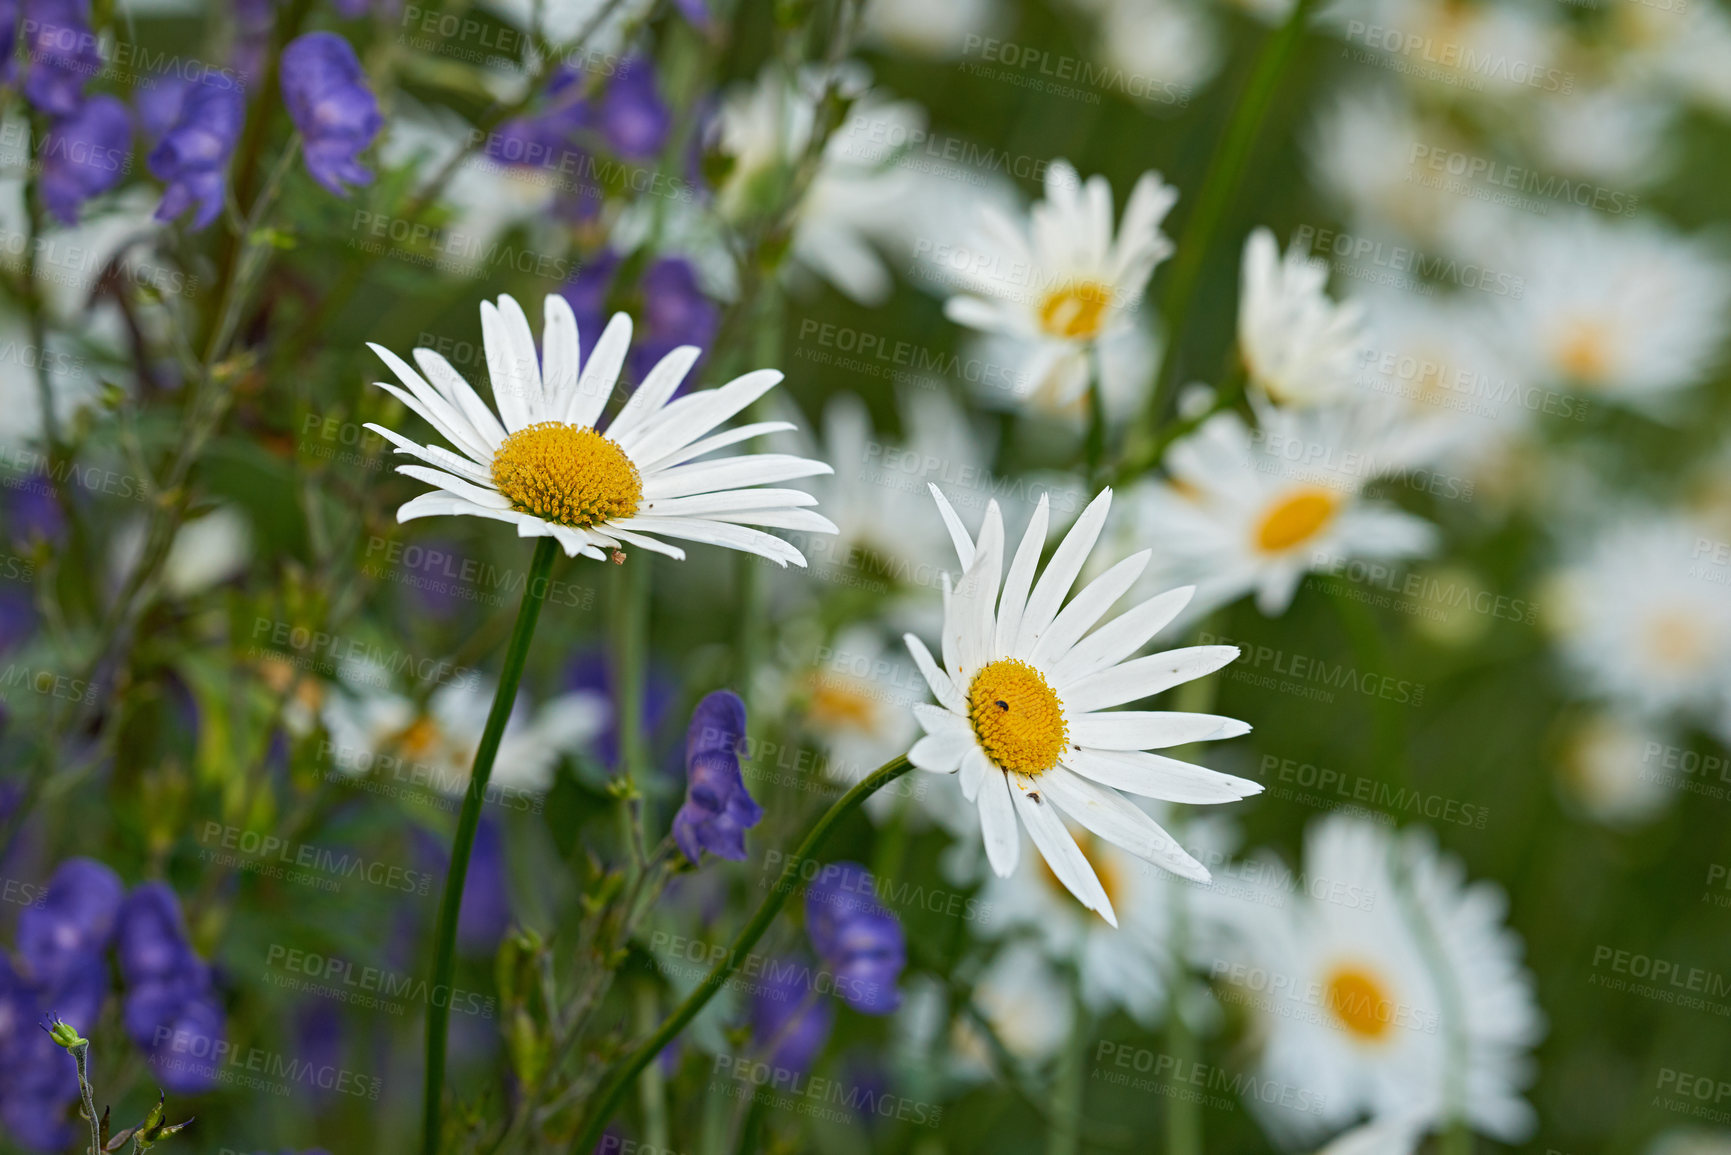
column 789, row 1023
column 8, row 41
column 74, row 922
column 717, row 810
column 635, row 121
column 152, row 940
column 586, row 292
column 62, row 53
column 84, row 155
column 329, row 101
column 860, row 940
column 192, row 154
column 675, row 313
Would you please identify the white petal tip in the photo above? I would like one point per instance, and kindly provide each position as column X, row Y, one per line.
column 1231, row 728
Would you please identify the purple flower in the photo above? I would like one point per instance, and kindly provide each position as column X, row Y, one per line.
column 329, row 101
column 592, row 671
column 62, row 52
column 8, row 41
column 253, row 22
column 790, row 1023
column 202, row 123
column 485, row 914
column 172, row 1011
column 717, row 810
column 675, row 313
column 74, row 922
column 85, row 154
column 38, row 1080
column 152, row 939
column 860, row 940
column 634, row 120
column 30, row 508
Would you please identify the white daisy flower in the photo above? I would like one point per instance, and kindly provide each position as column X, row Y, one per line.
column 1298, row 346
column 1250, row 510
column 1389, row 990
column 1629, row 310
column 1063, row 279
column 435, row 746
column 1024, row 711
column 543, row 465
column 1642, row 619
column 1162, row 49
column 933, row 31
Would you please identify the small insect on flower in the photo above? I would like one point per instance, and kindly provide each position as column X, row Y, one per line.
column 543, row 465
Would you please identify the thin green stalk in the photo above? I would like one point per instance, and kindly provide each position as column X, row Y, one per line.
column 445, row 938
column 1064, row 1133
column 630, row 650
column 1095, row 447
column 80, row 1054
column 654, row 1089
column 607, row 1096
column 1212, row 202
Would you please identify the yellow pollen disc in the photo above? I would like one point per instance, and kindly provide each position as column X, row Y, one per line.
column 1584, row 353
column 1295, row 519
column 1359, row 1002
column 1017, row 717
column 419, row 740
column 567, row 475
column 1076, row 310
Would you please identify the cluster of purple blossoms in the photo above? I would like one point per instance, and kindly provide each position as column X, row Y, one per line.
column 88, row 145
column 718, row 810
column 194, row 126
column 61, row 968
column 863, row 946
column 327, row 96
column 172, row 1010
column 669, row 307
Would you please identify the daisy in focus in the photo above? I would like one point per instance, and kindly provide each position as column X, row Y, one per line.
column 1062, row 280
column 1253, row 510
column 1394, row 995
column 1298, row 346
column 543, row 465
column 1025, row 701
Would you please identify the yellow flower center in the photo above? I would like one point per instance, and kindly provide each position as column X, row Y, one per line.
column 1675, row 641
column 1359, row 1002
column 843, row 704
column 1017, row 717
column 567, row 475
column 1076, row 310
column 420, row 739
column 1295, row 519
column 1584, row 353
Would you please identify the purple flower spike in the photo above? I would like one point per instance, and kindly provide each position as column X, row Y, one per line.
column 152, row 939
column 192, row 152
column 789, row 1025
column 675, row 312
column 74, row 922
column 63, row 54
column 634, row 119
column 84, row 155
column 329, row 101
column 860, row 940
column 717, row 810
column 8, row 41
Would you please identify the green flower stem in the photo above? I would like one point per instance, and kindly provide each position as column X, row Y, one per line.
column 1095, row 446
column 1212, row 202
column 607, row 1096
column 630, row 647
column 80, row 1055
column 445, row 938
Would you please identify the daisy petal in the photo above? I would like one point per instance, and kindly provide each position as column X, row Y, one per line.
column 1122, row 636
column 695, row 414
column 560, row 357
column 433, row 455
column 711, row 444
column 719, row 533
column 1021, row 578
column 1157, row 776
column 486, row 498
column 1119, row 821
column 1061, row 852
column 525, row 362
column 434, row 415
column 1086, row 608
column 942, row 752
column 943, row 688
column 510, row 381
column 1061, row 572
column 1143, row 677
column 1151, row 729
column 729, row 473
column 600, row 373
column 998, row 822
column 958, row 532
column 970, row 616
column 651, row 397
column 643, row 541
column 457, row 390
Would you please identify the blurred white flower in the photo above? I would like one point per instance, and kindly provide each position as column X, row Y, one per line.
column 1155, row 51
column 1253, row 510
column 375, row 731
column 1628, row 310
column 1062, row 278
column 1363, row 152
column 1298, row 346
column 934, row 31
column 206, row 551
column 1389, row 988
column 1643, row 618
column 1025, row 703
column 1603, row 133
